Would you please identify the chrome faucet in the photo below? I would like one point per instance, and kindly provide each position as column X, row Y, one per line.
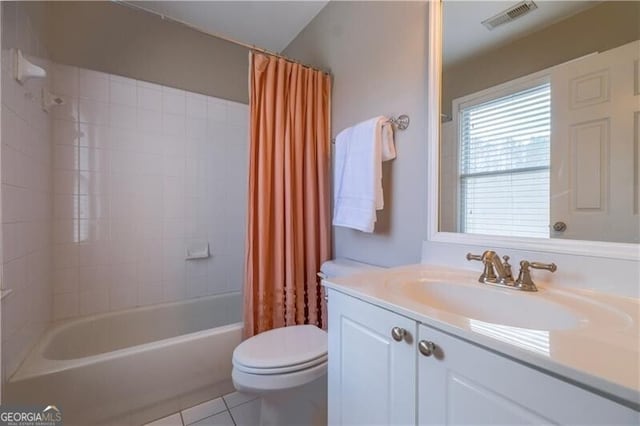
column 498, row 273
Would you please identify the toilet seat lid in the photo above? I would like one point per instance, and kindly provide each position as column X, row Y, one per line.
column 282, row 347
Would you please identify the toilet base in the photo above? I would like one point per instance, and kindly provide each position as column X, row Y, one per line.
column 303, row 405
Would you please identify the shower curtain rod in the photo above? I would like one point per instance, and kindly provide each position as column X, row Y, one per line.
column 225, row 38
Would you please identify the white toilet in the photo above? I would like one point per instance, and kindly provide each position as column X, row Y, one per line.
column 287, row 367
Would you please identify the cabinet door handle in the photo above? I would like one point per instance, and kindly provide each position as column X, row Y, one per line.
column 398, row 333
column 426, row 347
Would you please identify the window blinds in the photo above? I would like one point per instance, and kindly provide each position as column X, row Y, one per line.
column 504, row 165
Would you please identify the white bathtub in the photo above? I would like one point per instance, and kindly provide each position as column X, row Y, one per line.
column 132, row 366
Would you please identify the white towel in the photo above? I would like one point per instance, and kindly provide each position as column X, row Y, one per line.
column 359, row 153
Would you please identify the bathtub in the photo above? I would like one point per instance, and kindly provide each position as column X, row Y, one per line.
column 132, row 366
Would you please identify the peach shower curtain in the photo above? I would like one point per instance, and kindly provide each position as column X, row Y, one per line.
column 289, row 195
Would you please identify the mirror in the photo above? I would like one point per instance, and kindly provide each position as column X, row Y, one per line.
column 540, row 124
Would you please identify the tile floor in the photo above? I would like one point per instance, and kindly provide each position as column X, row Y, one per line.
column 234, row 409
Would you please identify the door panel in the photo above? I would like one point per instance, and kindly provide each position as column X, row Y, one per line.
column 371, row 376
column 469, row 402
column 594, row 189
column 463, row 383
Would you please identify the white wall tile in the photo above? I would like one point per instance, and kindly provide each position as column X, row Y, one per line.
column 65, row 157
column 196, row 128
column 93, row 112
column 91, row 277
column 123, row 296
column 93, row 136
column 196, row 106
column 65, row 181
column 174, row 290
column 150, row 121
column 173, row 124
column 27, row 162
column 237, row 114
column 216, row 110
column 94, row 301
column 65, row 206
column 65, row 256
column 144, row 169
column 150, row 98
column 14, row 273
column 65, row 132
column 123, row 92
column 93, row 85
column 65, row 305
column 68, row 111
column 13, row 241
column 173, row 101
column 150, row 293
column 65, row 280
column 65, row 80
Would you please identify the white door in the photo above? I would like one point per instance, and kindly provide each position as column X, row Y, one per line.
column 595, row 104
column 464, row 384
column 371, row 376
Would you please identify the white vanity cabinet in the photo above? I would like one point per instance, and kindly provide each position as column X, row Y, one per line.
column 372, row 377
column 375, row 379
column 462, row 383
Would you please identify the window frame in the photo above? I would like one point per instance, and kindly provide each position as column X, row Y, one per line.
column 478, row 98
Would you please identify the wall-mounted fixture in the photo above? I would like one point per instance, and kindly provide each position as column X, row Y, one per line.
column 25, row 70
column 198, row 250
column 50, row 100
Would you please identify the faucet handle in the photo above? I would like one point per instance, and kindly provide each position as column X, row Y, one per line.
column 524, row 281
column 488, row 273
column 471, row 257
column 551, row 267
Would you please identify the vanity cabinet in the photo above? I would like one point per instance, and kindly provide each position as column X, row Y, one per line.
column 462, row 383
column 372, row 376
column 376, row 379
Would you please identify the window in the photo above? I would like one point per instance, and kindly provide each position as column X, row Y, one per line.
column 504, row 164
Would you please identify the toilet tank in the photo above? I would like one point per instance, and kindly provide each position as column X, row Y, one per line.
column 342, row 267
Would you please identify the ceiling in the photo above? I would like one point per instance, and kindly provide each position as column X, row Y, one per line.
column 465, row 36
column 268, row 24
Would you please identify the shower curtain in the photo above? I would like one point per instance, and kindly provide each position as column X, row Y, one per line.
column 289, row 234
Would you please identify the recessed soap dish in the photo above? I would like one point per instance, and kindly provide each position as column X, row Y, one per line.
column 198, row 251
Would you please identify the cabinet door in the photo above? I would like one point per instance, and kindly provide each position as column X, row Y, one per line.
column 462, row 383
column 372, row 377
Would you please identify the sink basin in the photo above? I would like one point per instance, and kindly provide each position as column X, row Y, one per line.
column 493, row 305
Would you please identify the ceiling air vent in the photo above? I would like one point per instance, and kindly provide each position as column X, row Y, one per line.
column 510, row 14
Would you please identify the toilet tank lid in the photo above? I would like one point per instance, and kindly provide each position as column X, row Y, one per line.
column 342, row 267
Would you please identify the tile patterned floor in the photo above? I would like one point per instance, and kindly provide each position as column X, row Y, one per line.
column 234, row 409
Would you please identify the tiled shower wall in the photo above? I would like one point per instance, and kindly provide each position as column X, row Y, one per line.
column 26, row 171
column 141, row 172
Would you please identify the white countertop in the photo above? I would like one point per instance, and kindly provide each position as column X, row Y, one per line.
column 601, row 351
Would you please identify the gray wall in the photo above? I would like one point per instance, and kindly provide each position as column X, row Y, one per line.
column 115, row 39
column 600, row 28
column 377, row 54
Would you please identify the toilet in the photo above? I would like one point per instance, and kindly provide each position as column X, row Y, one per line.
column 287, row 367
